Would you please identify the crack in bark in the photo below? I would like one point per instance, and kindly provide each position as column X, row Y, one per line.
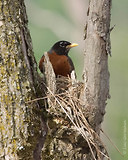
column 24, row 50
column 38, row 150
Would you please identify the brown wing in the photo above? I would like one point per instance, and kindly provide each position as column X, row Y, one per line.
column 62, row 65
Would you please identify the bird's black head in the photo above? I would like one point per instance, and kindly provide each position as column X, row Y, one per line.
column 62, row 47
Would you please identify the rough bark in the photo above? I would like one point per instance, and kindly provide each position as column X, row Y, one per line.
column 21, row 127
column 96, row 74
column 74, row 110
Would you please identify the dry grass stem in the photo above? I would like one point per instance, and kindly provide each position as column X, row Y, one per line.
column 66, row 102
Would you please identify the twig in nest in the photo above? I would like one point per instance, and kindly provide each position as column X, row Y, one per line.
column 79, row 121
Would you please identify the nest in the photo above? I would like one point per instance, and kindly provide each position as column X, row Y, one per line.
column 67, row 108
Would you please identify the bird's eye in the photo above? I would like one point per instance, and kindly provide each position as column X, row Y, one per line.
column 62, row 44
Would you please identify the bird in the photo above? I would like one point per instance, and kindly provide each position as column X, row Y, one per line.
column 58, row 55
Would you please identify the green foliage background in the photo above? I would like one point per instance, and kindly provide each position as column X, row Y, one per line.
column 39, row 12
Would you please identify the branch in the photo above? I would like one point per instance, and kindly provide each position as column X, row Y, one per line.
column 96, row 74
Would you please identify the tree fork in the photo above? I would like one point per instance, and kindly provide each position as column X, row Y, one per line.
column 75, row 109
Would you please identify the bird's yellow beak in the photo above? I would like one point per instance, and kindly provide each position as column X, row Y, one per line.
column 72, row 45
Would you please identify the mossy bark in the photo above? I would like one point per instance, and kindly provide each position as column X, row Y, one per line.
column 20, row 125
column 74, row 116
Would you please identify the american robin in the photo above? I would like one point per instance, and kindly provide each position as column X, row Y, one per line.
column 58, row 56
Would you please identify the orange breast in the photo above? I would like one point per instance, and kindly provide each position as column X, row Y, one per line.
column 60, row 63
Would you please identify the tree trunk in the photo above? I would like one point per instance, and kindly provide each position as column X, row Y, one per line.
column 20, row 125
column 74, row 109
column 96, row 74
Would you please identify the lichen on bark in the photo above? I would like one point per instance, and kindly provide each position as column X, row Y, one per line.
column 19, row 123
column 74, row 113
